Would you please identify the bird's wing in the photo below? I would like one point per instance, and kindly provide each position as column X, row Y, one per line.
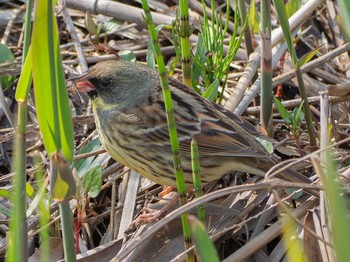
column 218, row 133
column 214, row 139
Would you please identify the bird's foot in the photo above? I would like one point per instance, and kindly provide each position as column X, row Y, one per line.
column 150, row 215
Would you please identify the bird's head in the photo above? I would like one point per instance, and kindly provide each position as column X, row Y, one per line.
column 118, row 83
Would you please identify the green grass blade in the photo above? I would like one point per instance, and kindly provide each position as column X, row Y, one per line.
column 196, row 177
column 180, row 180
column 25, row 80
column 339, row 213
column 18, row 238
column 307, row 57
column 287, row 116
column 253, row 18
column 44, row 213
column 345, row 13
column 266, row 67
column 212, row 91
column 185, row 32
column 283, row 18
column 295, row 251
column 27, row 30
column 292, row 6
column 204, row 245
column 49, row 85
column 53, row 110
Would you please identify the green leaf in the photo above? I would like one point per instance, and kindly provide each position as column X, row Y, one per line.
column 266, row 144
column 112, row 25
column 293, row 191
column 64, row 113
column 299, row 114
column 92, row 181
column 90, row 24
column 307, row 57
column 25, row 80
column 171, row 65
column 99, row 29
column 292, row 6
column 6, row 81
column 5, row 54
column 287, row 116
column 338, row 208
column 253, row 18
column 62, row 184
column 5, row 193
column 293, row 245
column 30, row 191
column 82, row 165
column 198, row 59
column 7, row 212
column 50, row 90
column 345, row 14
column 283, row 18
column 127, row 55
column 150, row 58
column 297, row 121
column 212, row 91
column 203, row 243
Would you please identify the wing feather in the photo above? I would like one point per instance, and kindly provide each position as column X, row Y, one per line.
column 217, row 131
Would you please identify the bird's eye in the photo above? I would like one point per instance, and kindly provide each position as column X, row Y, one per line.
column 105, row 83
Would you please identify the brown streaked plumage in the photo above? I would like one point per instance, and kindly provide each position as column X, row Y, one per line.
column 131, row 120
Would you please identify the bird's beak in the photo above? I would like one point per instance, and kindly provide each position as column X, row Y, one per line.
column 82, row 83
column 84, row 86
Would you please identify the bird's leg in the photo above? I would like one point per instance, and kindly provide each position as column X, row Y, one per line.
column 166, row 190
column 151, row 215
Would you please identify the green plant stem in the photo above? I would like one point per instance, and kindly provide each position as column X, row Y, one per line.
column 196, row 177
column 306, row 107
column 180, row 180
column 213, row 27
column 266, row 67
column 18, row 244
column 44, row 215
column 185, row 33
column 67, row 231
column 27, row 30
column 208, row 43
column 282, row 15
column 210, row 59
column 247, row 33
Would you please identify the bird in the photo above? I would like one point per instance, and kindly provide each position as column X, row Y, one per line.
column 130, row 116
